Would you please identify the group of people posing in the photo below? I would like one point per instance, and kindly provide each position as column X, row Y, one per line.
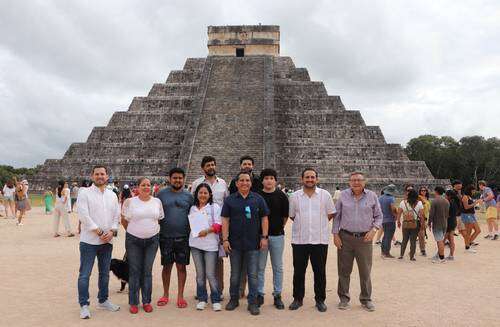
column 449, row 210
column 243, row 221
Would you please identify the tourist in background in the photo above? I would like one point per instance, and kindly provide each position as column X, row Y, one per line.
column 48, row 199
column 454, row 201
column 99, row 213
column 412, row 212
column 244, row 231
column 423, row 196
column 469, row 217
column 356, row 222
column 206, row 224
column 311, row 209
column 457, row 187
column 140, row 216
column 389, row 213
column 438, row 220
column 219, row 193
column 174, row 235
column 9, row 191
column 125, row 194
column 247, row 165
column 277, row 202
column 488, row 198
column 74, row 195
column 21, row 200
column 68, row 191
column 61, row 209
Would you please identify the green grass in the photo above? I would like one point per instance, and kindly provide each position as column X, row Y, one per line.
column 37, row 200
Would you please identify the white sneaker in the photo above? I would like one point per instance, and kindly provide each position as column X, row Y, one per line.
column 84, row 312
column 216, row 306
column 107, row 305
column 20, row 224
column 201, row 305
column 470, row 250
column 438, row 260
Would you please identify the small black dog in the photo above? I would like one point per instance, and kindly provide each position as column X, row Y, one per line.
column 120, row 270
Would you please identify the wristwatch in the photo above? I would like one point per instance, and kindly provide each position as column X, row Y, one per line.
column 264, row 237
column 115, row 232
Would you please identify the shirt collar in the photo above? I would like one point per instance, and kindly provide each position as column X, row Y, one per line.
column 352, row 193
column 316, row 191
column 238, row 194
column 96, row 189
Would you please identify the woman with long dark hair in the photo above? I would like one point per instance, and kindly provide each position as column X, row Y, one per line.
column 423, row 196
column 469, row 218
column 412, row 211
column 61, row 209
column 205, row 221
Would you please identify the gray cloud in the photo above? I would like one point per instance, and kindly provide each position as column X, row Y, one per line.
column 412, row 68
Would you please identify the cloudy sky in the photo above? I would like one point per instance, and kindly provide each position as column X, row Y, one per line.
column 413, row 68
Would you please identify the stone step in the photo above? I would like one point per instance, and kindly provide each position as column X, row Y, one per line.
column 184, row 76
column 173, row 89
column 194, row 64
column 299, row 89
column 157, row 119
column 307, row 104
column 108, row 134
column 154, row 103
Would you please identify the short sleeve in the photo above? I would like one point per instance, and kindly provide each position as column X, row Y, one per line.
column 264, row 209
column 226, row 209
column 127, row 209
column 420, row 206
column 402, row 205
column 392, row 200
column 329, row 205
column 217, row 213
column 161, row 213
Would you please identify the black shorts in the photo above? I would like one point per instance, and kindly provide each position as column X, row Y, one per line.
column 174, row 250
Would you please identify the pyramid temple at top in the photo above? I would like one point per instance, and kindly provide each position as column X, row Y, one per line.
column 242, row 99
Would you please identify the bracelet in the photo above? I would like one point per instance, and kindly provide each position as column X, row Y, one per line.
column 225, row 241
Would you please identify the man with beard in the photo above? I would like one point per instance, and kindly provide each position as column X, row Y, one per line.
column 219, row 193
column 247, row 165
column 99, row 214
column 174, row 234
column 311, row 209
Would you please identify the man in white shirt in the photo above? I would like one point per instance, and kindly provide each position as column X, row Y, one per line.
column 219, row 193
column 311, row 209
column 99, row 214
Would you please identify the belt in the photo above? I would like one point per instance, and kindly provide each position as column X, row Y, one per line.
column 360, row 234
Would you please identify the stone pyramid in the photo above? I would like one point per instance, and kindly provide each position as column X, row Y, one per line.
column 243, row 98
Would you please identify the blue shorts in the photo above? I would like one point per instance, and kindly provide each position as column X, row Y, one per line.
column 468, row 218
column 438, row 234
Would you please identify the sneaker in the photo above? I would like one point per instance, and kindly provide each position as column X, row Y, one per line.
column 254, row 309
column 321, row 306
column 295, row 305
column 107, row 305
column 438, row 260
column 260, row 300
column 474, row 244
column 487, row 236
column 470, row 250
column 20, row 224
column 495, row 237
column 413, row 259
column 147, row 307
column 450, row 258
column 400, row 257
column 84, row 312
column 201, row 305
column 232, row 304
column 343, row 305
column 368, row 306
column 216, row 306
column 278, row 303
column 397, row 243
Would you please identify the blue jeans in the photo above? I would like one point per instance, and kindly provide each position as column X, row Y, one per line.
column 252, row 259
column 205, row 263
column 88, row 253
column 389, row 230
column 275, row 247
column 141, row 255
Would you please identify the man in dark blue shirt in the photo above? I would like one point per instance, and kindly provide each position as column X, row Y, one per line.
column 244, row 232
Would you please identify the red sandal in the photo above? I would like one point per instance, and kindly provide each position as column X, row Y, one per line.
column 181, row 303
column 162, row 301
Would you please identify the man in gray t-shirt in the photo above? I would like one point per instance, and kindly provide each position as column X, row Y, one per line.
column 174, row 234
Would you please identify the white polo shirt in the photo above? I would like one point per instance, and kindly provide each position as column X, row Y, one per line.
column 97, row 209
column 310, row 216
column 219, row 188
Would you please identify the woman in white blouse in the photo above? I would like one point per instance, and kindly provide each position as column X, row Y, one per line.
column 140, row 216
column 61, row 209
column 205, row 223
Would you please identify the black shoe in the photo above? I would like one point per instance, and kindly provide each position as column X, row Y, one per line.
column 423, row 253
column 254, row 309
column 260, row 300
column 295, row 305
column 278, row 303
column 321, row 306
column 495, row 237
column 232, row 304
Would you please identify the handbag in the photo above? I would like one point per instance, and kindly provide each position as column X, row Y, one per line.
column 222, row 252
column 409, row 221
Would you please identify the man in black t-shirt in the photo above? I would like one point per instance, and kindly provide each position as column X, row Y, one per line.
column 277, row 202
